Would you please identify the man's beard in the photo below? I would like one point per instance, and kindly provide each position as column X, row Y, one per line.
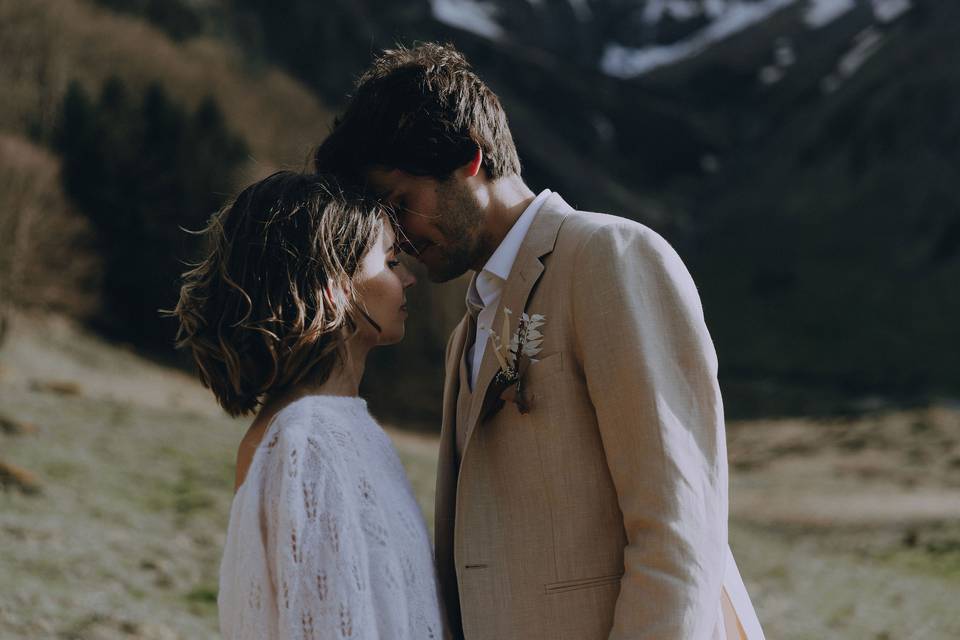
column 461, row 224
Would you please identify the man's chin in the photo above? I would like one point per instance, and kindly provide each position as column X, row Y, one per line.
column 444, row 271
column 439, row 277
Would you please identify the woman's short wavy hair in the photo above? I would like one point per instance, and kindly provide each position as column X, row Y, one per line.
column 272, row 303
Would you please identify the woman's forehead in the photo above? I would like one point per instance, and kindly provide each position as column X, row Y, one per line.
column 388, row 238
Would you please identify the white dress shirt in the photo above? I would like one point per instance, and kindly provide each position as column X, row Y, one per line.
column 486, row 287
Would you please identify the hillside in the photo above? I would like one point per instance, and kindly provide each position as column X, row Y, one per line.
column 45, row 44
column 50, row 258
column 836, row 229
column 46, row 259
column 803, row 163
column 48, row 44
column 116, row 478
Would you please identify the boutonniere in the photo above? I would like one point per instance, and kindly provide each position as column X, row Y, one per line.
column 515, row 353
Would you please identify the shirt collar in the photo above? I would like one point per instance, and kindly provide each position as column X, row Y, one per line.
column 485, row 287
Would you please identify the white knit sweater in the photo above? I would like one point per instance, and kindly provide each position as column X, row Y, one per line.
column 326, row 540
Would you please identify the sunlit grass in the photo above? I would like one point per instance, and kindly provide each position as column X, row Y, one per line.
column 127, row 533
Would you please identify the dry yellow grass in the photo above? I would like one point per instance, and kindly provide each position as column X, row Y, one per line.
column 45, row 255
column 45, row 44
column 136, row 471
column 14, row 477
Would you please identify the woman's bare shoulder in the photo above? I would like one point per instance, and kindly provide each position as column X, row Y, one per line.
column 304, row 417
column 258, row 430
column 248, row 447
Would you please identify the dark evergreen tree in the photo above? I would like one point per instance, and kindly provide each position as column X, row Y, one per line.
column 143, row 171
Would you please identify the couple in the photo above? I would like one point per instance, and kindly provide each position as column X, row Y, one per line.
column 582, row 481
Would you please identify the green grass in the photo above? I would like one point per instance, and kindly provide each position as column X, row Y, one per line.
column 125, row 538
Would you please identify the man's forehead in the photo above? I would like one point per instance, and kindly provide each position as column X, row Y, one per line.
column 384, row 181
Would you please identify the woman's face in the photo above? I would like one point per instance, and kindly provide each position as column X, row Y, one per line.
column 381, row 286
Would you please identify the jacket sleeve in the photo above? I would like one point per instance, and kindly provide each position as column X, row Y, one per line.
column 651, row 373
column 316, row 556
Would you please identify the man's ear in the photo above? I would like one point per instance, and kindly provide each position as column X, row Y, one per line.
column 329, row 295
column 472, row 168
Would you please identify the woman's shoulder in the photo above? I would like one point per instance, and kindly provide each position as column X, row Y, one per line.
column 310, row 428
column 316, row 416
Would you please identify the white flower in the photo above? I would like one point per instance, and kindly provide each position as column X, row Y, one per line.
column 526, row 341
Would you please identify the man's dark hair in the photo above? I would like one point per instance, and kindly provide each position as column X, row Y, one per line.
column 423, row 111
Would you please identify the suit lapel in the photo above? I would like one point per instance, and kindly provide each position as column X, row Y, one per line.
column 526, row 272
column 446, row 462
column 464, row 397
column 446, row 478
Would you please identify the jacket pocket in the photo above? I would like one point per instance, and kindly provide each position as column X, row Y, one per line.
column 583, row 583
column 547, row 365
column 544, row 369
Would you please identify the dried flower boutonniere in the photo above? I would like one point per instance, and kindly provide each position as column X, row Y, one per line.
column 515, row 353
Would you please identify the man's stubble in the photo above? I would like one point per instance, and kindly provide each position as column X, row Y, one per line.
column 462, row 223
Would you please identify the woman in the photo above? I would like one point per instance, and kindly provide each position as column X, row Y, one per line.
column 325, row 538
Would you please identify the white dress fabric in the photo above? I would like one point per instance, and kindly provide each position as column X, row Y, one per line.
column 326, row 540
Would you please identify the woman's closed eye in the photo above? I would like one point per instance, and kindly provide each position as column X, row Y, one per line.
column 392, row 261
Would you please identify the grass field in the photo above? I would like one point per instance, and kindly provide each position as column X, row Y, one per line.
column 118, row 476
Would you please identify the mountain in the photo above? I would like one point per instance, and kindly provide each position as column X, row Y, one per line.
column 800, row 154
column 628, row 39
column 835, row 223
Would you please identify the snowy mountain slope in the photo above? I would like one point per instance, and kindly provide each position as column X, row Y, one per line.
column 628, row 39
column 630, row 62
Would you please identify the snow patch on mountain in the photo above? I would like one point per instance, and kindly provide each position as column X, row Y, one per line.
column 476, row 17
column 655, row 10
column 581, row 9
column 784, row 56
column 865, row 45
column 820, row 13
column 734, row 16
column 890, row 10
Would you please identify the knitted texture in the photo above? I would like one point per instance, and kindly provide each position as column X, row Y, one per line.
column 326, row 540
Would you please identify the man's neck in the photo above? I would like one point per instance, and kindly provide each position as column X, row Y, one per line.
column 508, row 197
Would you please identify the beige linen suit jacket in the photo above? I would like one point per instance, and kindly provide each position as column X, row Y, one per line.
column 601, row 513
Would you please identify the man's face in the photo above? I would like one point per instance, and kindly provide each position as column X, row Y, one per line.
column 441, row 221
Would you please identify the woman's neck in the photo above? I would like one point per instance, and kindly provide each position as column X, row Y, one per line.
column 344, row 379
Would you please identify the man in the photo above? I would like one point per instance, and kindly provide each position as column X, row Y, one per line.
column 582, row 488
